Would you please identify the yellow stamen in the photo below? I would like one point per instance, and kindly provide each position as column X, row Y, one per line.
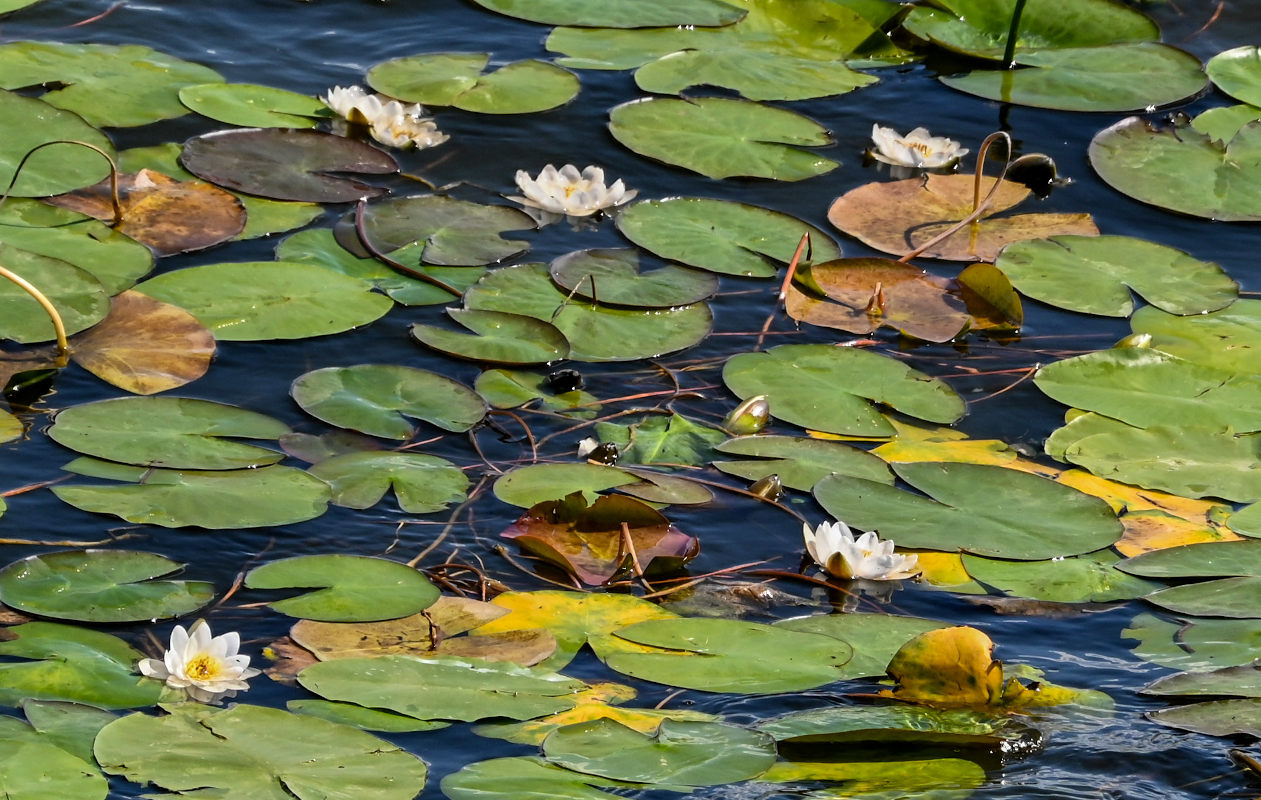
column 920, row 147
column 202, row 668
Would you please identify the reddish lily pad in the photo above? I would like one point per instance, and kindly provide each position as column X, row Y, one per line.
column 286, row 164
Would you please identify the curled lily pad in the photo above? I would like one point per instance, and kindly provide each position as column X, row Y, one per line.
column 457, row 79
column 286, row 164
column 721, row 138
column 115, row 85
column 451, row 232
column 613, row 276
column 378, row 399
column 604, row 15
column 1122, row 77
column 302, row 300
column 832, row 388
column 1094, row 275
column 56, row 168
column 422, row 483
column 1181, row 169
column 177, row 432
column 351, row 588
column 252, row 106
column 251, row 751
column 595, row 332
column 720, row 235
column 497, row 337
column 897, row 216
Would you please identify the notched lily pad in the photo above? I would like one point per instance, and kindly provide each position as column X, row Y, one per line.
column 613, row 277
column 353, row 588
column 450, row 232
column 286, row 164
column 497, row 337
column 457, row 79
column 422, row 483
column 252, row 106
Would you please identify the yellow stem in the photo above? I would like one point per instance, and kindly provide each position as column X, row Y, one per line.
column 63, row 346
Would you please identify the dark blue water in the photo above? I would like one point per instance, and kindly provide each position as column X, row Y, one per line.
column 310, row 46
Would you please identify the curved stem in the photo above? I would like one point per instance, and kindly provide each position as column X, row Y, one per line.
column 63, row 346
column 113, row 173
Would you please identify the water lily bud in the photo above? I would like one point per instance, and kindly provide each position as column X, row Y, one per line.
column 748, row 417
column 770, row 488
column 563, row 380
column 603, row 453
column 1135, row 340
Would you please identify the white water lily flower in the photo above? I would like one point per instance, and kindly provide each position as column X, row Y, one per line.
column 207, row 668
column 398, row 128
column 917, row 149
column 566, row 191
column 832, row 546
column 356, row 104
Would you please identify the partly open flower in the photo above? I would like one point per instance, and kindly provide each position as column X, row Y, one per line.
column 207, row 668
column 566, row 191
column 918, row 149
column 396, row 127
column 832, row 546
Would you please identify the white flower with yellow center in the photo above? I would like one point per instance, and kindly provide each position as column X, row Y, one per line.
column 832, row 546
column 567, row 191
column 398, row 128
column 207, row 668
column 918, row 149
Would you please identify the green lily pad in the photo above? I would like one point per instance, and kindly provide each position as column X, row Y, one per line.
column 70, row 726
column 31, row 769
column 1094, row 275
column 980, row 27
column 617, row 15
column 286, row 164
column 1090, row 578
column 319, row 246
column 899, row 723
column 422, row 483
column 754, row 75
column 496, row 337
column 537, row 483
column 77, row 295
column 378, row 399
column 671, row 441
column 831, row 389
column 1120, row 77
column 1038, row 519
column 252, row 498
column 369, row 719
column 262, row 216
column 255, row 752
column 1237, row 72
column 252, row 106
column 613, row 277
column 353, row 588
column 1215, row 718
column 453, row 232
column 1182, row 170
column 1188, row 460
column 524, row 778
column 723, row 138
column 724, row 655
column 1229, row 339
column 1224, row 597
column 1203, row 560
column 1145, row 388
column 720, row 235
column 679, row 753
column 173, row 432
column 1241, row 681
column 875, row 638
column 923, row 779
column 57, row 168
column 457, row 79
column 1195, row 644
column 448, row 688
column 504, row 388
column 116, row 85
column 595, row 332
column 799, row 462
column 73, row 664
column 1222, row 123
column 302, row 300
column 100, row 586
column 1246, row 521
column 115, row 260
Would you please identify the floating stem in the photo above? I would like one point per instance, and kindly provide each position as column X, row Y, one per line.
column 1009, row 52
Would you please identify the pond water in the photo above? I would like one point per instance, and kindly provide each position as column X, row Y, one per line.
column 307, row 47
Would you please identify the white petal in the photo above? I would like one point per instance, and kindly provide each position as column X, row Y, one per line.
column 153, row 668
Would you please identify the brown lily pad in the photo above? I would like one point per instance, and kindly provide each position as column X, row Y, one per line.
column 287, row 164
column 166, row 215
column 590, row 543
column 145, row 346
column 898, row 216
column 871, row 292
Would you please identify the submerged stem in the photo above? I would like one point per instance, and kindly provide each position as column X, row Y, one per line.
column 1009, row 52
